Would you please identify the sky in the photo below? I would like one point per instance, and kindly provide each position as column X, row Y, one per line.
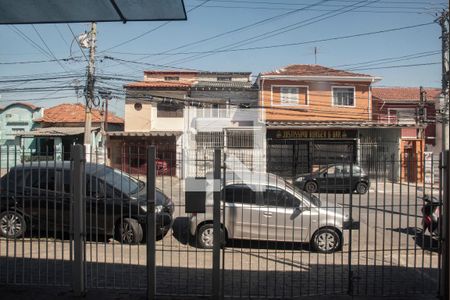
column 227, row 35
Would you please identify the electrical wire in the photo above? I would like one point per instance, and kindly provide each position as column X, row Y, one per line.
column 151, row 30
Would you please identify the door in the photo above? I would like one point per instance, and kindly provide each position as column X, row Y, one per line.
column 243, row 214
column 52, row 205
column 331, row 179
column 284, row 215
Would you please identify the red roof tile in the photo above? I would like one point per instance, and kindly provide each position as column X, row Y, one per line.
column 29, row 105
column 74, row 113
column 403, row 93
column 313, row 70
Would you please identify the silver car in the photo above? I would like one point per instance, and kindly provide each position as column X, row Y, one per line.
column 263, row 206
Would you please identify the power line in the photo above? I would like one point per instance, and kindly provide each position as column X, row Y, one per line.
column 39, row 61
column 151, row 30
column 397, row 66
column 283, row 29
column 29, row 40
column 392, row 59
column 75, row 39
column 308, row 42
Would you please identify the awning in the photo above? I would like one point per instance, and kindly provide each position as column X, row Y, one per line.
column 54, row 131
column 334, row 125
column 80, row 11
column 143, row 133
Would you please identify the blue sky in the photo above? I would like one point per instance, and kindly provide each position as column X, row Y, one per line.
column 218, row 16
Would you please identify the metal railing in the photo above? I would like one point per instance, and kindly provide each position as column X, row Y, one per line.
column 331, row 232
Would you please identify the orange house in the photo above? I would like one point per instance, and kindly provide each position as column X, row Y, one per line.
column 313, row 114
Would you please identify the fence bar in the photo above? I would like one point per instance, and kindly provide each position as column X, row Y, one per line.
column 445, row 285
column 151, row 222
column 79, row 211
column 216, row 290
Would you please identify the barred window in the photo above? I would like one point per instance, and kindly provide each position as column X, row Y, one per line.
column 240, row 139
column 169, row 110
column 344, row 96
column 209, row 139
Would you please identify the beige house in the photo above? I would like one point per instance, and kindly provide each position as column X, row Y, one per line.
column 174, row 110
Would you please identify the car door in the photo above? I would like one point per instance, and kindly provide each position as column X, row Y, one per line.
column 242, row 213
column 335, row 179
column 284, row 214
column 51, row 207
column 98, row 200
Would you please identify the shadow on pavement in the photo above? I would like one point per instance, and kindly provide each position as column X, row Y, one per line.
column 422, row 240
column 175, row 281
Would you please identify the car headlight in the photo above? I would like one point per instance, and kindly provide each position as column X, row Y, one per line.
column 300, row 179
column 143, row 207
column 158, row 208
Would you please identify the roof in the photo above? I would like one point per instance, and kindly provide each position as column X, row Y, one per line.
column 160, row 84
column 74, row 113
column 332, row 124
column 223, row 84
column 144, row 133
column 403, row 93
column 29, row 105
column 313, row 70
column 171, row 72
column 55, row 131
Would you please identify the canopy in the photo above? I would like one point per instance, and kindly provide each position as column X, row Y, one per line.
column 71, row 11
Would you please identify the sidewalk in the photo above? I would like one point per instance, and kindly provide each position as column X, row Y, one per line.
column 55, row 293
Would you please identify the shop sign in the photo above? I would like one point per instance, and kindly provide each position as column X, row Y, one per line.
column 322, row 134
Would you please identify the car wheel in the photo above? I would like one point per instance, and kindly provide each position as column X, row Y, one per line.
column 311, row 187
column 12, row 224
column 205, row 236
column 362, row 188
column 129, row 231
column 326, row 240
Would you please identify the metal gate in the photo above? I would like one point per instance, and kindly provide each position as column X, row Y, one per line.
column 79, row 215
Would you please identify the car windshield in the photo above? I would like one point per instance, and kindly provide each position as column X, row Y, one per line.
column 310, row 197
column 120, row 180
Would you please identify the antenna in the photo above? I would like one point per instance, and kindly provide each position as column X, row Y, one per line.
column 315, row 55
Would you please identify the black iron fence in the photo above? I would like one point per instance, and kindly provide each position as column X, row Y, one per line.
column 330, row 232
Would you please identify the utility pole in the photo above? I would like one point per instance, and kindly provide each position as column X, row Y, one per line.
column 90, row 81
column 444, row 231
column 444, row 103
column 421, row 117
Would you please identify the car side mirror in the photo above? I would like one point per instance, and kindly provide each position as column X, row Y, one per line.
column 297, row 211
column 325, row 174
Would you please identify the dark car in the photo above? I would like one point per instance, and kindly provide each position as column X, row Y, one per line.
column 335, row 178
column 38, row 196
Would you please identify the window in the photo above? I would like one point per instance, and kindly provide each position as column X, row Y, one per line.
column 289, row 95
column 343, row 96
column 138, row 106
column 224, row 78
column 356, row 170
column 169, row 110
column 209, row 139
column 43, row 179
column 240, row 139
column 171, row 78
column 240, row 193
column 277, row 197
column 17, row 129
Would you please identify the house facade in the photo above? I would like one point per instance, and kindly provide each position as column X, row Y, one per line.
column 415, row 134
column 62, row 126
column 313, row 116
column 182, row 113
column 17, row 118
